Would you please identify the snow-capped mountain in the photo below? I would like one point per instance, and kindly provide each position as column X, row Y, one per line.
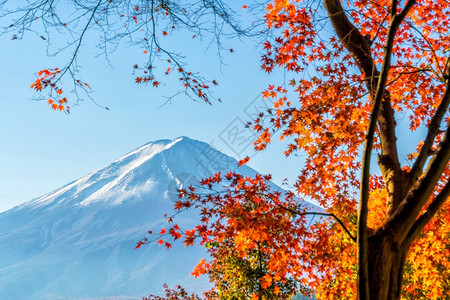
column 78, row 241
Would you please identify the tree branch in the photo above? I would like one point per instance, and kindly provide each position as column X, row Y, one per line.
column 431, row 211
column 359, row 48
column 433, row 131
column 357, row 45
column 388, row 160
column 335, row 217
column 80, row 40
column 409, row 209
column 293, row 211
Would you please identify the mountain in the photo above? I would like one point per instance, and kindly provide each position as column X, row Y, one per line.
column 78, row 241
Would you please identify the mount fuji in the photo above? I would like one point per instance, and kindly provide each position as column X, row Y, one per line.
column 78, row 241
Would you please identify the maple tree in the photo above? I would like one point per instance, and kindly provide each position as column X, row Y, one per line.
column 385, row 61
column 358, row 67
column 386, row 58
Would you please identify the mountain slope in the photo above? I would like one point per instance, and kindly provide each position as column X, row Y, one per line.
column 78, row 241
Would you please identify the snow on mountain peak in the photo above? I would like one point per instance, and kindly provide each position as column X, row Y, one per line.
column 78, row 242
column 135, row 174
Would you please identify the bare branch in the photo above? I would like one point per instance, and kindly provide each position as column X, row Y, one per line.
column 335, row 217
column 318, row 214
column 80, row 40
column 119, row 21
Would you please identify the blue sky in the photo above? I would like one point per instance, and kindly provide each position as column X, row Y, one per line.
column 42, row 150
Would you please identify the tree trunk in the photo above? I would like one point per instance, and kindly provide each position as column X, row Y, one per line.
column 386, row 263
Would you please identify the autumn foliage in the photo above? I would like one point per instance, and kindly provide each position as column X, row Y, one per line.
column 46, row 79
column 386, row 62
